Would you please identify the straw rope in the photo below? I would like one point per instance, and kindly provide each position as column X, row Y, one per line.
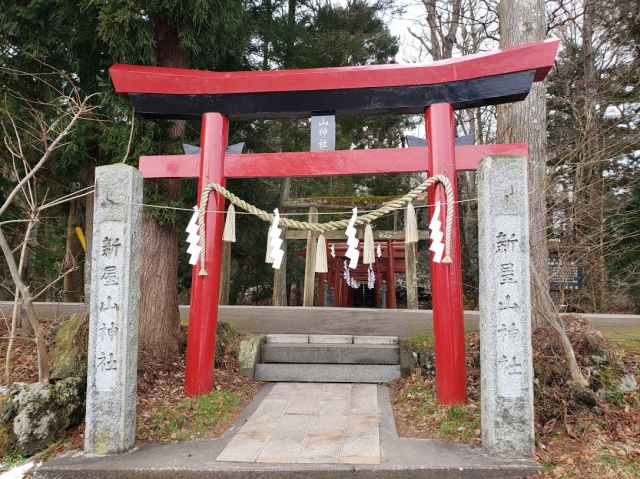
column 385, row 209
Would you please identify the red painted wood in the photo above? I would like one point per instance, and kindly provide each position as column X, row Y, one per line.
column 321, row 163
column 446, row 279
column 203, row 317
column 391, row 277
column 336, row 284
column 170, row 166
column 538, row 56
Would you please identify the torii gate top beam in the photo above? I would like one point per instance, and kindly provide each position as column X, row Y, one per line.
column 487, row 78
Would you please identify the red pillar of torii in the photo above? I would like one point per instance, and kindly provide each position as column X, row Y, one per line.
column 434, row 89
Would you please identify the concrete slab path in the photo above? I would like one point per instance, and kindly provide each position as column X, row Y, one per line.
column 289, row 431
column 302, row 423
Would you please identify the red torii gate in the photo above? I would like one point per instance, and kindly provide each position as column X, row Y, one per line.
column 434, row 89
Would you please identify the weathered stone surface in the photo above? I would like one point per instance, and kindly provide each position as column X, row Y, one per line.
column 224, row 337
column 330, row 339
column 407, row 358
column 69, row 356
column 427, row 360
column 330, row 353
column 505, row 314
column 287, row 338
column 583, row 395
column 114, row 311
column 43, row 412
column 249, row 354
column 336, row 373
column 375, row 340
column 627, row 383
column 7, row 414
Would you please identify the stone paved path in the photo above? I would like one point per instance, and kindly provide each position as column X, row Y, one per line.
column 304, row 423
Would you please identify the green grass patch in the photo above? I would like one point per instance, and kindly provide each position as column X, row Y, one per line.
column 613, row 466
column 616, row 333
column 12, row 459
column 629, row 344
column 614, row 397
column 456, row 422
column 613, row 461
column 194, row 417
column 422, row 340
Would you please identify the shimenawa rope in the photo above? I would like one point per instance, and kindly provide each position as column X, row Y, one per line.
column 331, row 225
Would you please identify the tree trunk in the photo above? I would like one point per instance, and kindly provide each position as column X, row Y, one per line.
column 159, row 314
column 310, row 261
column 588, row 202
column 523, row 21
column 411, row 275
column 90, row 180
column 17, row 310
column 280, row 293
column 43, row 360
column 73, row 283
column 225, row 274
column 550, row 313
column 30, row 263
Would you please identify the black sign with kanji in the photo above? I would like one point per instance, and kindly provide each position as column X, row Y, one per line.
column 564, row 273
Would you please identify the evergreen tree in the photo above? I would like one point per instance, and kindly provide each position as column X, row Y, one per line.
column 296, row 34
column 190, row 34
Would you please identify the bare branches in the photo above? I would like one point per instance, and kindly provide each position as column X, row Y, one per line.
column 454, row 27
column 550, row 314
column 74, row 112
column 33, row 132
column 43, row 363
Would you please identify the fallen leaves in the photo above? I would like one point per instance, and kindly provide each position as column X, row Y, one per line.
column 573, row 440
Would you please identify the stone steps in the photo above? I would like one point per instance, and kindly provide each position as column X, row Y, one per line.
column 330, row 353
column 332, row 373
column 329, row 358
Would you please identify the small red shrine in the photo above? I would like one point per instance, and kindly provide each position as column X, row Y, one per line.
column 384, row 269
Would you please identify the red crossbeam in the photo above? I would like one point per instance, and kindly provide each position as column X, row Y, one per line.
column 322, row 163
column 538, row 56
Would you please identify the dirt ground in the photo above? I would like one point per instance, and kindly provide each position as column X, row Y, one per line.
column 573, row 439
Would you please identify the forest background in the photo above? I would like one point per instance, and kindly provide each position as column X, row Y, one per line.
column 55, row 56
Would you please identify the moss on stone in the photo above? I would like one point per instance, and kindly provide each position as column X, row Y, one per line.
column 7, row 440
column 69, row 356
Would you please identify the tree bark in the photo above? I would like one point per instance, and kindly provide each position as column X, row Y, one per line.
column 90, row 180
column 17, row 311
column 225, row 274
column 523, row 21
column 588, row 202
column 30, row 263
column 411, row 274
column 280, row 293
column 73, row 283
column 159, row 314
column 310, row 262
column 43, row 360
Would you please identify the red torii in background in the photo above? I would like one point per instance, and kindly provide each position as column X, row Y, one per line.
column 435, row 89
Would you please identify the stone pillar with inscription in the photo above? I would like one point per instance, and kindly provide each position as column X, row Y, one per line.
column 114, row 311
column 505, row 312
